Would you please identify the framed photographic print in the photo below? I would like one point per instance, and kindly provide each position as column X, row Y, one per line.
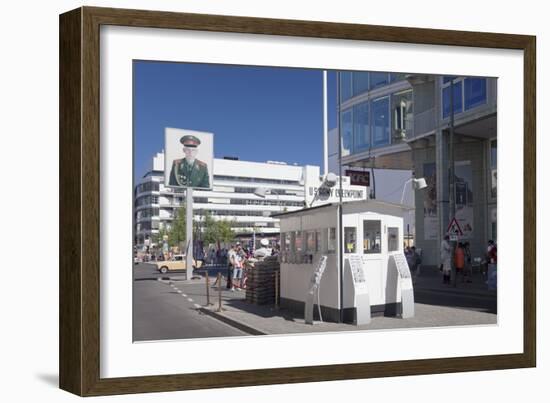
column 315, row 201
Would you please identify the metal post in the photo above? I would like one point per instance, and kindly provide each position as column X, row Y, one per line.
column 219, row 292
column 325, row 124
column 452, row 192
column 189, row 232
column 207, row 289
column 276, row 289
column 340, row 230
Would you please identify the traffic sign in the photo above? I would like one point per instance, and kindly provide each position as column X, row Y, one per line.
column 454, row 229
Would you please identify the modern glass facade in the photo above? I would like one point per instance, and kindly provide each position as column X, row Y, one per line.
column 469, row 93
column 372, row 121
column 354, row 83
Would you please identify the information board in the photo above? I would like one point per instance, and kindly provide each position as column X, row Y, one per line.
column 402, row 265
column 317, row 274
column 356, row 265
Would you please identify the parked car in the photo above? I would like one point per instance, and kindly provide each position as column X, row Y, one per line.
column 178, row 262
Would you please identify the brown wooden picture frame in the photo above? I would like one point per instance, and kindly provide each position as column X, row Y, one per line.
column 79, row 346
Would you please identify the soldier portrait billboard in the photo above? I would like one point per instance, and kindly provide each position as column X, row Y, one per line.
column 188, row 158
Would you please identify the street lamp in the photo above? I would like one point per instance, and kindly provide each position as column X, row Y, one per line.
column 263, row 192
column 417, row 184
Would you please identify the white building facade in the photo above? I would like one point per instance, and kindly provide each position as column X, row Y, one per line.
column 234, row 197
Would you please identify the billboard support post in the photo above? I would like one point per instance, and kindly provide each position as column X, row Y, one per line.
column 189, row 232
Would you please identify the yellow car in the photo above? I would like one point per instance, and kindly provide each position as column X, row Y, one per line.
column 178, row 262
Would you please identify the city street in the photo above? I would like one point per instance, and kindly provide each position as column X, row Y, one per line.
column 170, row 307
column 162, row 313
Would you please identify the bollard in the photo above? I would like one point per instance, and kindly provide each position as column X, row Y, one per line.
column 207, row 289
column 220, row 292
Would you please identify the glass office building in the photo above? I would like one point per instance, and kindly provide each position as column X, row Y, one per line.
column 401, row 121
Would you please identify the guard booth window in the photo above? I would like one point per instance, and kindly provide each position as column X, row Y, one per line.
column 350, row 239
column 393, row 239
column 331, row 240
column 371, row 236
column 310, row 242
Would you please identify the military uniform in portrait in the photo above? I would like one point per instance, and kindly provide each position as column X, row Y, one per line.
column 193, row 175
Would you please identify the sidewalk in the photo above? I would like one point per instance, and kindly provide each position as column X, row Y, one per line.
column 431, row 279
column 264, row 320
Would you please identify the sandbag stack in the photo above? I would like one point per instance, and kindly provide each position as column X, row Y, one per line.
column 260, row 284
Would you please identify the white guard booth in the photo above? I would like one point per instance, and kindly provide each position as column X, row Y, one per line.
column 375, row 278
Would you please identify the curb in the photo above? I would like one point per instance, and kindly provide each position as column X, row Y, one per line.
column 456, row 292
column 232, row 322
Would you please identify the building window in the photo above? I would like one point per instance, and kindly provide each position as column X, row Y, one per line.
column 378, row 80
column 371, row 236
column 402, row 115
column 397, row 77
column 346, row 130
column 381, row 122
column 393, row 239
column 331, row 240
column 361, row 127
column 360, row 82
column 350, row 240
column 457, row 97
column 285, row 247
column 475, row 92
column 310, row 242
column 469, row 93
column 345, row 85
column 318, row 241
column 298, row 242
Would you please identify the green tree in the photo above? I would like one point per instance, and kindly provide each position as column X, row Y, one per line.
column 210, row 233
column 157, row 238
column 177, row 233
column 225, row 231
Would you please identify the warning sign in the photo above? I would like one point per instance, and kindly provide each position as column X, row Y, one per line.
column 454, row 229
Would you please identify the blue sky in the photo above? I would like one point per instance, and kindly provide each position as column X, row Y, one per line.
column 255, row 113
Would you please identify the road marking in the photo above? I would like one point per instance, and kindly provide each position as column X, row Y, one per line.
column 183, row 295
column 179, row 292
column 197, row 306
column 189, row 299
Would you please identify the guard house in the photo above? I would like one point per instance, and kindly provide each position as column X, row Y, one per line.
column 365, row 273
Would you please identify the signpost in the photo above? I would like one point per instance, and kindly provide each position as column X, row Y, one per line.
column 314, row 289
column 405, row 279
column 357, row 288
column 454, row 231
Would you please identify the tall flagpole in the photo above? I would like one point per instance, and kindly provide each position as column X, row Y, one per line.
column 340, row 249
column 325, row 124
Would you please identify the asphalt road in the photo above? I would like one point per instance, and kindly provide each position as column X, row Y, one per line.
column 162, row 312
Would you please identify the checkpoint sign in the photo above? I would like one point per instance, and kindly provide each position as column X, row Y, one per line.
column 454, row 230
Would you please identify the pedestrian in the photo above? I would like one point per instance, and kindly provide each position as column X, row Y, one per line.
column 445, row 255
column 264, row 250
column 237, row 262
column 417, row 259
column 459, row 259
column 491, row 265
column 230, row 265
